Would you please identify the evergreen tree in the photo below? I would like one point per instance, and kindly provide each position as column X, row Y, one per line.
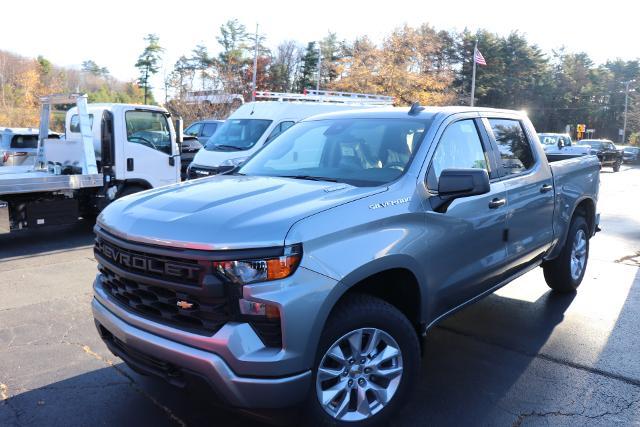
column 149, row 63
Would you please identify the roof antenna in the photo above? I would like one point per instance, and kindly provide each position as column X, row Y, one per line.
column 415, row 109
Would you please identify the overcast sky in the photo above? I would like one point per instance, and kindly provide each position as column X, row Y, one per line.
column 111, row 32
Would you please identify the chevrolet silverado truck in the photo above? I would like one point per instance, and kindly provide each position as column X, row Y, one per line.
column 306, row 277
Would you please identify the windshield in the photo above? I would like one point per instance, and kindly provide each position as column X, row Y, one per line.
column 361, row 152
column 593, row 144
column 549, row 139
column 237, row 135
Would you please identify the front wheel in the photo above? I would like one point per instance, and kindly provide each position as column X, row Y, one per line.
column 565, row 273
column 367, row 363
column 616, row 166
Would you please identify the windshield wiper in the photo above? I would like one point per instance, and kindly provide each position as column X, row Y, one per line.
column 310, row 177
column 232, row 147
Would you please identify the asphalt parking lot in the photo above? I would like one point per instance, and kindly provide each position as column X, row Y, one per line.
column 522, row 356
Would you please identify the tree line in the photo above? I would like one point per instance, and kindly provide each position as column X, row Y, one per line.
column 24, row 80
column 424, row 64
column 421, row 63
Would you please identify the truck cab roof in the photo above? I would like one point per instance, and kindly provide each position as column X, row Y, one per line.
column 403, row 112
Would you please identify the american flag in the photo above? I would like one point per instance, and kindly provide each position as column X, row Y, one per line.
column 478, row 58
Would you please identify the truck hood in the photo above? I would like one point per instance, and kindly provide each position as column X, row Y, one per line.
column 224, row 211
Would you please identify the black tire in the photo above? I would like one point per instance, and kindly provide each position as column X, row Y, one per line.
column 557, row 272
column 616, row 166
column 129, row 189
column 364, row 311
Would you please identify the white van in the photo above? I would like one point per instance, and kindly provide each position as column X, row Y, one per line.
column 255, row 124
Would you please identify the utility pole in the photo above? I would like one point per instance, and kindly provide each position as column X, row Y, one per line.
column 255, row 68
column 473, row 75
column 626, row 104
column 319, row 65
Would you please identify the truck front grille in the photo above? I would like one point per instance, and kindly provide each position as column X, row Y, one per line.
column 201, row 171
column 204, row 316
column 174, row 287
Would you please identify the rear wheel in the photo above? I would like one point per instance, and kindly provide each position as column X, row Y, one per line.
column 367, row 362
column 565, row 273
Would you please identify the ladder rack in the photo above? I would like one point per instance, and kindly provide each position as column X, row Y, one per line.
column 328, row 96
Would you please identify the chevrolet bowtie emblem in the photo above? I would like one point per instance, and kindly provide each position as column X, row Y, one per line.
column 185, row 305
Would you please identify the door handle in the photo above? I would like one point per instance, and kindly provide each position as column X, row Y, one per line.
column 546, row 188
column 129, row 164
column 496, row 203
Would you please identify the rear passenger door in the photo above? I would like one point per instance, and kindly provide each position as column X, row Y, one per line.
column 529, row 185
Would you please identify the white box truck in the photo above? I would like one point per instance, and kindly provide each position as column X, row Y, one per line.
column 108, row 151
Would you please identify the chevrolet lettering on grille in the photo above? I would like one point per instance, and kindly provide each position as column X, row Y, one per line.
column 146, row 264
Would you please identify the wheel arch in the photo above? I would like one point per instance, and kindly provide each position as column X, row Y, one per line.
column 374, row 279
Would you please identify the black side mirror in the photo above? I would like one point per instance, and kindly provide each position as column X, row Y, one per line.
column 561, row 143
column 456, row 183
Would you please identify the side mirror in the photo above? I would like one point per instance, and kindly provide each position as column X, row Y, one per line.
column 561, row 143
column 457, row 183
column 179, row 133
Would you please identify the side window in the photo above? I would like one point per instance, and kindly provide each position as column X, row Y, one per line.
column 148, row 128
column 193, row 130
column 515, row 151
column 281, row 127
column 208, row 129
column 459, row 147
column 567, row 141
column 74, row 125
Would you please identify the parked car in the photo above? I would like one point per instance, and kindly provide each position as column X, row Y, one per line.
column 561, row 146
column 606, row 151
column 631, row 155
column 18, row 146
column 308, row 276
column 190, row 146
column 203, row 129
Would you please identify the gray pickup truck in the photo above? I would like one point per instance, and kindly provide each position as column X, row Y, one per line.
column 306, row 277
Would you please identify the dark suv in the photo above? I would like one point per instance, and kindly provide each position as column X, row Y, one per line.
column 606, row 151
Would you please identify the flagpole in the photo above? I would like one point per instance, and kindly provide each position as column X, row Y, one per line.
column 473, row 74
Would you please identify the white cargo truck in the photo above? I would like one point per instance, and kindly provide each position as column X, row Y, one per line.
column 108, row 151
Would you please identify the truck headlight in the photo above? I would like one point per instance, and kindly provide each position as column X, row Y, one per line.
column 243, row 272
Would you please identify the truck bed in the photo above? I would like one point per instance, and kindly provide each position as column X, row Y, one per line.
column 16, row 182
column 574, row 180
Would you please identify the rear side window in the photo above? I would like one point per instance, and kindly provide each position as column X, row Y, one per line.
column 74, row 126
column 208, row 129
column 515, row 150
column 24, row 141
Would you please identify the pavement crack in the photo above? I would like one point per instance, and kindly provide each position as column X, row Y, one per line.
column 589, row 369
column 131, row 382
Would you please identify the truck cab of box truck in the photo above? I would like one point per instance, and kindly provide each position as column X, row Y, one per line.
column 135, row 143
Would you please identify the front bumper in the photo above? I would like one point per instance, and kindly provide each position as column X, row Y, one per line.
column 171, row 361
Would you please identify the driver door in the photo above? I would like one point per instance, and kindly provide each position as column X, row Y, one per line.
column 150, row 153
